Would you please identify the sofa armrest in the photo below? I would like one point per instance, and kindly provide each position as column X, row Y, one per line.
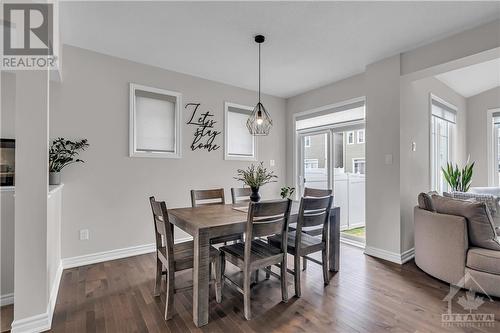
column 441, row 244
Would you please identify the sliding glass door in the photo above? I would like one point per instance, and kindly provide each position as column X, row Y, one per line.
column 315, row 160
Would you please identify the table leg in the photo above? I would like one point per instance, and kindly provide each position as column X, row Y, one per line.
column 201, row 266
column 334, row 240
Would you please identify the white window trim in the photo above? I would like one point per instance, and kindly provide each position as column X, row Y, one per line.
column 451, row 152
column 358, row 136
column 353, row 138
column 234, row 157
column 490, row 132
column 133, row 152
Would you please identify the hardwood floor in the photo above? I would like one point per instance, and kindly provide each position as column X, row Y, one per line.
column 367, row 295
column 6, row 316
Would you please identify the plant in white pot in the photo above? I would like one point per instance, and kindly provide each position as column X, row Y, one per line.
column 255, row 177
column 62, row 153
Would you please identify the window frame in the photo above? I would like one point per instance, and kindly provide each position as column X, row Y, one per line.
column 491, row 132
column 236, row 157
column 451, row 135
column 357, row 136
column 348, row 137
column 133, row 152
column 358, row 159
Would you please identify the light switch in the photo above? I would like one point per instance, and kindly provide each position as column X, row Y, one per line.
column 413, row 146
column 271, row 163
column 388, row 159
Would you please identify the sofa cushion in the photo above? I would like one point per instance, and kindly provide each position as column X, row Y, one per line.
column 484, row 260
column 491, row 201
column 425, row 202
column 479, row 222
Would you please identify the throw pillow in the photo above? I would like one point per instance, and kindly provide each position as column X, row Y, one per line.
column 479, row 222
column 425, row 202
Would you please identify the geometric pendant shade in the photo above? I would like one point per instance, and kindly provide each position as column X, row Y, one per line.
column 259, row 122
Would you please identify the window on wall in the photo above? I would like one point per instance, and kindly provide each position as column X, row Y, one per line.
column 155, row 122
column 494, row 152
column 350, row 138
column 311, row 163
column 443, row 123
column 239, row 143
column 361, row 136
column 358, row 165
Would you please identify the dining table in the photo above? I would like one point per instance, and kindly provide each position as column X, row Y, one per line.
column 206, row 222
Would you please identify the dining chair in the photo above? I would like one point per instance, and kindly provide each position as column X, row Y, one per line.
column 264, row 219
column 177, row 257
column 240, row 194
column 312, row 212
column 315, row 193
column 212, row 197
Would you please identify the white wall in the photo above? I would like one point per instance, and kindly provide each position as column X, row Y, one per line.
column 477, row 107
column 8, row 105
column 109, row 193
column 415, row 127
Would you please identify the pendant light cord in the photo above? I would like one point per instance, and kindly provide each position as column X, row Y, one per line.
column 259, row 73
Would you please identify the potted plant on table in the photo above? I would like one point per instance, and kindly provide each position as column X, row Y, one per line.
column 62, row 153
column 255, row 177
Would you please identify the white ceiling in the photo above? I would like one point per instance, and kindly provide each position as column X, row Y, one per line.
column 308, row 44
column 473, row 80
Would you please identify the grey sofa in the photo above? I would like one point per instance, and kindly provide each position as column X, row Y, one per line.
column 443, row 250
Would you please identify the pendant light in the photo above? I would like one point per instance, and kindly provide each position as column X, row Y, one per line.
column 259, row 122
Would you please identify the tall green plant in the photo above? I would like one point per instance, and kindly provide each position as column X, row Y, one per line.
column 256, row 176
column 64, row 152
column 458, row 179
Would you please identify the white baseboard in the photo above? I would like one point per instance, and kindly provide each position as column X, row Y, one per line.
column 390, row 256
column 37, row 323
column 352, row 242
column 43, row 321
column 94, row 258
column 7, row 299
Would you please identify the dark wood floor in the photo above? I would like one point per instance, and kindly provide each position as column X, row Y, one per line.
column 367, row 295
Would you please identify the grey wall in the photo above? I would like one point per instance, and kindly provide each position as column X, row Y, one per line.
column 8, row 105
column 415, row 127
column 477, row 107
column 109, row 193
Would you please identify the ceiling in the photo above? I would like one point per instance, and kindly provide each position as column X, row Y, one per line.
column 473, row 80
column 308, row 44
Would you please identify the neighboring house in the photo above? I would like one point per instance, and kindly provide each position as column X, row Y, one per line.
column 349, row 151
column 354, row 147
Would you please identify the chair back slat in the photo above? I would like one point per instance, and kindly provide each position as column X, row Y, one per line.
column 164, row 230
column 267, row 218
column 207, row 197
column 313, row 212
column 315, row 192
column 240, row 194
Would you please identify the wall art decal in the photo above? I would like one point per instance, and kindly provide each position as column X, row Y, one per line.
column 205, row 133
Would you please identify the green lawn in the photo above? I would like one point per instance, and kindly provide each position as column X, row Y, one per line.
column 358, row 232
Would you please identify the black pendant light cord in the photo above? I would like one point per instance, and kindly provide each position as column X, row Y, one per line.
column 259, row 73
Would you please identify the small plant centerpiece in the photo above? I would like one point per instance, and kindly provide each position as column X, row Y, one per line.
column 255, row 177
column 62, row 153
column 287, row 192
column 458, row 179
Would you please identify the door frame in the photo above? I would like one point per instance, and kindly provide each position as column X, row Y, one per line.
column 300, row 137
column 295, row 135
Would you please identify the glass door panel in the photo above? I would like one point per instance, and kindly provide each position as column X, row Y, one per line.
column 315, row 160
